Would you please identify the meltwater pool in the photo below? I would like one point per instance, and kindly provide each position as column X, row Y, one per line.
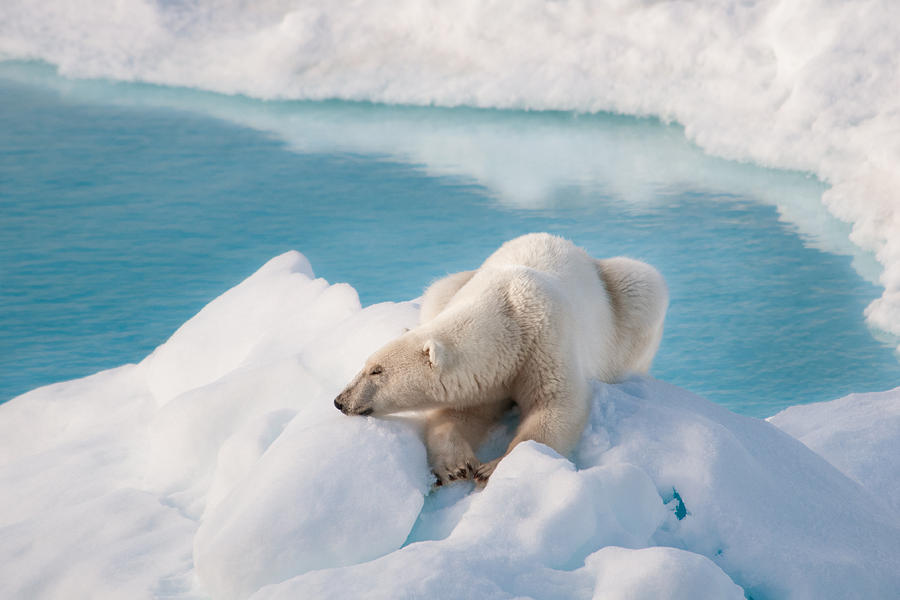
column 125, row 208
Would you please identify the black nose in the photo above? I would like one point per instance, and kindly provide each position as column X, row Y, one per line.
column 339, row 406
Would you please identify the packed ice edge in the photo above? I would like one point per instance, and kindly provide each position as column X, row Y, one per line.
column 807, row 86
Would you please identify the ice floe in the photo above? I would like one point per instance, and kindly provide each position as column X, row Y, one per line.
column 218, row 467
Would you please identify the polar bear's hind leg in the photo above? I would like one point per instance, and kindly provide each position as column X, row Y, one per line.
column 639, row 299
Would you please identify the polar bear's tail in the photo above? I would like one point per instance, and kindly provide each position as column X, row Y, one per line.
column 639, row 298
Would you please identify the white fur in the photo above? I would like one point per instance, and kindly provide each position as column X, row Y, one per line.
column 533, row 325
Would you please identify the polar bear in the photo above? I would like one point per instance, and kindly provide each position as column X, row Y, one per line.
column 531, row 326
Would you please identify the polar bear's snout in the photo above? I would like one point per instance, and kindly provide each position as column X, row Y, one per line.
column 353, row 401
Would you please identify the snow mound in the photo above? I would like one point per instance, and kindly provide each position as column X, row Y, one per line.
column 782, row 522
column 859, row 434
column 314, row 509
column 218, row 467
column 527, row 535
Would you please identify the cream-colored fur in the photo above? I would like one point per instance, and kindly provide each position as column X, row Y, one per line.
column 533, row 325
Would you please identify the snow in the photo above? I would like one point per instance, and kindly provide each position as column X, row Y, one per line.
column 218, row 467
column 855, row 434
column 559, row 514
column 809, row 85
column 310, row 518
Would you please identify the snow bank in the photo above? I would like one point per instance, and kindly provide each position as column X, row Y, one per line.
column 526, row 535
column 859, row 434
column 218, row 467
column 783, row 523
column 314, row 508
column 808, row 85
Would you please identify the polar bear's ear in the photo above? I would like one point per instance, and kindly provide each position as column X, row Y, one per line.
column 434, row 353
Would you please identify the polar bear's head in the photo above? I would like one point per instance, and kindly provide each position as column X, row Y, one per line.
column 403, row 375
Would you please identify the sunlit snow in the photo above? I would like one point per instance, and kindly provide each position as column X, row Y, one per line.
column 219, row 467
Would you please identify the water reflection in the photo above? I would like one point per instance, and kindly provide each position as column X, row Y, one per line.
column 524, row 160
column 126, row 209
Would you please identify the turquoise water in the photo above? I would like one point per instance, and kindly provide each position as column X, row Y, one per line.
column 125, row 208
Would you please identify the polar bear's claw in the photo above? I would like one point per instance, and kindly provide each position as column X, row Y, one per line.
column 458, row 472
column 484, row 471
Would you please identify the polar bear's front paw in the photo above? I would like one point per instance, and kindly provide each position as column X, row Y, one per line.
column 455, row 472
column 484, row 471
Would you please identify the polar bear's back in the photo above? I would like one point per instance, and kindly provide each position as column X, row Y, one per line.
column 604, row 316
column 566, row 278
column 559, row 263
column 614, row 308
column 542, row 252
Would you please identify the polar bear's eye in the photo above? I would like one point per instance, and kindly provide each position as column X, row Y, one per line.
column 375, row 371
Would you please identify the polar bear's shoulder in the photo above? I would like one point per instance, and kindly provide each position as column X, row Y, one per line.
column 440, row 293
